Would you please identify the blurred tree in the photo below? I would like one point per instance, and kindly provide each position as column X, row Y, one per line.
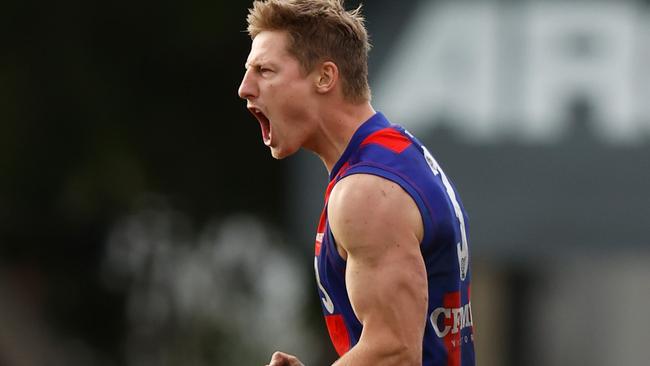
column 101, row 103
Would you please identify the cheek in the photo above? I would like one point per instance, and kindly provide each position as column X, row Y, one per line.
column 294, row 100
column 288, row 90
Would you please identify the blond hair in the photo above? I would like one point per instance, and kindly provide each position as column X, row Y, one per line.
column 320, row 30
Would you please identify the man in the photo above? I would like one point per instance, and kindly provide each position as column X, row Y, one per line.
column 391, row 256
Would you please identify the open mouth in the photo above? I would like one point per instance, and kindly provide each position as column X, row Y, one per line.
column 265, row 125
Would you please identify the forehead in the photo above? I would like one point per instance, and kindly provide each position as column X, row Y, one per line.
column 269, row 46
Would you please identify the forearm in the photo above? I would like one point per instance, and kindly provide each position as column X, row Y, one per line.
column 364, row 354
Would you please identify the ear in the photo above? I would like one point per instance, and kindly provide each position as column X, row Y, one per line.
column 327, row 77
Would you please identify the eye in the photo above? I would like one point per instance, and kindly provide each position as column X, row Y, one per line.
column 263, row 70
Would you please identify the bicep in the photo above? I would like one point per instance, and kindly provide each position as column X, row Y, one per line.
column 389, row 294
column 379, row 227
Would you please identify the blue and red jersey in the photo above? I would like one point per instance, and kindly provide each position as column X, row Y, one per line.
column 389, row 151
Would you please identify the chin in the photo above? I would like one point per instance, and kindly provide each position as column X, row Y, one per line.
column 277, row 156
column 280, row 154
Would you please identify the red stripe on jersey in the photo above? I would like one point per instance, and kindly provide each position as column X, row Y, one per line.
column 317, row 247
column 338, row 333
column 452, row 341
column 388, row 138
column 469, row 300
column 320, row 231
column 332, row 183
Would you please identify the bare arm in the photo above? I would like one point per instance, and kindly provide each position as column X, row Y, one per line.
column 378, row 229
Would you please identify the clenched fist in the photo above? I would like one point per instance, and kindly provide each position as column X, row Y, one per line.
column 283, row 359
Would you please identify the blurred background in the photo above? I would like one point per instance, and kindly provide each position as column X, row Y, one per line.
column 143, row 222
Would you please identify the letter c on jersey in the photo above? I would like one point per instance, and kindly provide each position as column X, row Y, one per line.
column 434, row 321
column 460, row 318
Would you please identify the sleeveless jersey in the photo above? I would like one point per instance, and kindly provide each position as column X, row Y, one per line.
column 389, row 151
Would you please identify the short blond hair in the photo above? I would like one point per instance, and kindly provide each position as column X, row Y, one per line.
column 320, row 30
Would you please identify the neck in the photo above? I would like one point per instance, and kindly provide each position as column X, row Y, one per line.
column 336, row 127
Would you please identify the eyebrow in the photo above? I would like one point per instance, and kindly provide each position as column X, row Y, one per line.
column 258, row 63
column 255, row 62
column 250, row 64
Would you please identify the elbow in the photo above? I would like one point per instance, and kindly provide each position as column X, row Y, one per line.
column 411, row 358
column 384, row 353
column 404, row 354
column 389, row 348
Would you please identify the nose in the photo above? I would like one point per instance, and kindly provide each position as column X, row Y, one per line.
column 247, row 88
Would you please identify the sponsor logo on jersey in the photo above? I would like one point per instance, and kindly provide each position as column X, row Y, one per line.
column 453, row 319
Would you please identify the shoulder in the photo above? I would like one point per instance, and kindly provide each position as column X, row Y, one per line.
column 365, row 208
column 359, row 195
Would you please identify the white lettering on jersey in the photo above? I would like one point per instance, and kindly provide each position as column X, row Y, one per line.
column 461, row 247
column 327, row 301
column 461, row 318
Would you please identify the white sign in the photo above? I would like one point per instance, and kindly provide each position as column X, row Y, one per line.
column 498, row 70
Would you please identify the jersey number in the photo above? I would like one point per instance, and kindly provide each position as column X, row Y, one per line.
column 463, row 252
